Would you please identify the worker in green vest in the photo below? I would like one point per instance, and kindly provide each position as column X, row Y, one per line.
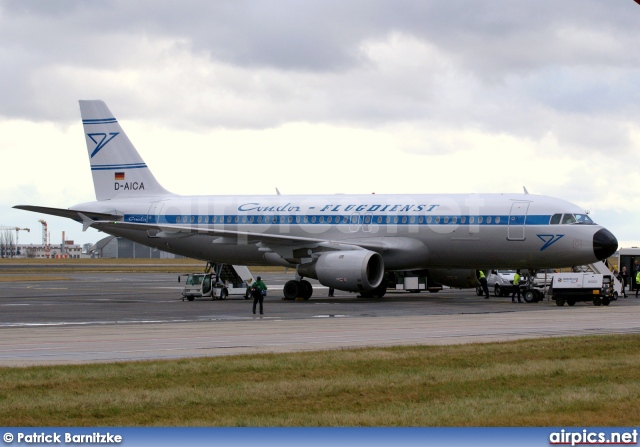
column 637, row 282
column 483, row 283
column 516, row 287
column 258, row 291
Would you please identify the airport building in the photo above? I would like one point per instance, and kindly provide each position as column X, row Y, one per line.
column 117, row 247
column 67, row 250
column 109, row 247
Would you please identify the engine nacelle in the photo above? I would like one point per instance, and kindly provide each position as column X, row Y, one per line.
column 352, row 271
column 457, row 278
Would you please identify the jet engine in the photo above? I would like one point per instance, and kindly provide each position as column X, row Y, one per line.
column 458, row 278
column 352, row 271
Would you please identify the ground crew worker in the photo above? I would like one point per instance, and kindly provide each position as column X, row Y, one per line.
column 637, row 282
column 516, row 284
column 636, row 269
column 258, row 290
column 623, row 278
column 483, row 283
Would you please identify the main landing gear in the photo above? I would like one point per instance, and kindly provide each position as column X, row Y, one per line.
column 378, row 292
column 297, row 289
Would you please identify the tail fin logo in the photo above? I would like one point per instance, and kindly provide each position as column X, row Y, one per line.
column 101, row 140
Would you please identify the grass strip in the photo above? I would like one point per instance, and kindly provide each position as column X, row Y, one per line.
column 570, row 381
column 17, row 266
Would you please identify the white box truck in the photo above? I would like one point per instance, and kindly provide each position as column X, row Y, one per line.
column 579, row 286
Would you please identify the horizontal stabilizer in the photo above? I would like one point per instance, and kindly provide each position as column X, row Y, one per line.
column 69, row 214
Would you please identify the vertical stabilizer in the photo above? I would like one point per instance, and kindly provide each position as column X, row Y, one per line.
column 117, row 168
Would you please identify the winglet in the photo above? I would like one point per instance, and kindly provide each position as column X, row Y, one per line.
column 525, row 190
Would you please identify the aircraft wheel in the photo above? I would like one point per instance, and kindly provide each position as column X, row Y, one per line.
column 597, row 301
column 559, row 302
column 529, row 296
column 537, row 296
column 571, row 302
column 291, row 290
column 306, row 290
column 497, row 291
column 378, row 292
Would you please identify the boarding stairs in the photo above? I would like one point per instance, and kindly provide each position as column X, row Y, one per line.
column 602, row 268
column 233, row 275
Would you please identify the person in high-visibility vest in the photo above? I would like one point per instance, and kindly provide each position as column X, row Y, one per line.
column 637, row 282
column 483, row 283
column 634, row 277
column 259, row 291
column 516, row 285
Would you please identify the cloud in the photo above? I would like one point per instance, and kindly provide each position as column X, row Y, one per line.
column 452, row 89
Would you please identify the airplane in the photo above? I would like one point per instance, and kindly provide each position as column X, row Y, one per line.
column 346, row 242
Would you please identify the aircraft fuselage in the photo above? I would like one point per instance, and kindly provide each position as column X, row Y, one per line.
column 409, row 231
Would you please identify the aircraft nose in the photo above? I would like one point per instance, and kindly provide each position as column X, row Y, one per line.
column 604, row 244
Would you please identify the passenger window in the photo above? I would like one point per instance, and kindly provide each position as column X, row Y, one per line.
column 568, row 219
column 555, row 219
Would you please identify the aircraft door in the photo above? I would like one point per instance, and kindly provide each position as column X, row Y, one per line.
column 517, row 218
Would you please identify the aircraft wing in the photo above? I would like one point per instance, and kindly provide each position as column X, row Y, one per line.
column 287, row 246
column 283, row 244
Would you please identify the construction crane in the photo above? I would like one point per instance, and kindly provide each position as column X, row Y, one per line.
column 17, row 230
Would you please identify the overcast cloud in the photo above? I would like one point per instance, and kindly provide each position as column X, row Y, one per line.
column 332, row 96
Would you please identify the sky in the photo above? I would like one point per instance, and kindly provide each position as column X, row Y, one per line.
column 396, row 97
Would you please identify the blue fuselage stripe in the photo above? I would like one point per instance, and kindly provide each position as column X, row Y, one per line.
column 337, row 219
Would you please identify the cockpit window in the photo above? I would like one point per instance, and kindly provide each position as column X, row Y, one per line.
column 568, row 219
column 583, row 219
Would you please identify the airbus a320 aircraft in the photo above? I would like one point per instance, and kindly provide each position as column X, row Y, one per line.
column 344, row 241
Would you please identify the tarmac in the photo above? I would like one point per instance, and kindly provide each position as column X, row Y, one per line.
column 106, row 317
